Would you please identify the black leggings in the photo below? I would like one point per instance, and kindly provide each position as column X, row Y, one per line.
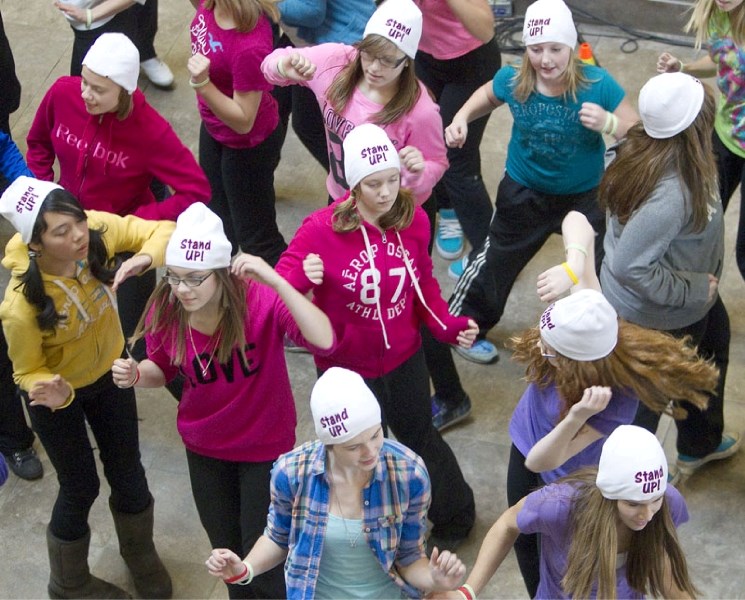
column 520, row 482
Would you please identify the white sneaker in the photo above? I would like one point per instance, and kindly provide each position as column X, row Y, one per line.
column 157, row 72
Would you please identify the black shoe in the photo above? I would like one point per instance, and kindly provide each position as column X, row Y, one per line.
column 25, row 464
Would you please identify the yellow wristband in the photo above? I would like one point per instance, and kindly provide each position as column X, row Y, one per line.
column 88, row 18
column 195, row 85
column 572, row 275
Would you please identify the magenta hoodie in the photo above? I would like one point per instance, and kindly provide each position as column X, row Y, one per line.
column 108, row 164
column 351, row 300
column 421, row 127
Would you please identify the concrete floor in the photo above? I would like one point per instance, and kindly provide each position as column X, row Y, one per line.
column 713, row 538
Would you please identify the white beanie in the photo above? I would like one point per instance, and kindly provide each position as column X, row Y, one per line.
column 199, row 241
column 342, row 406
column 21, row 203
column 549, row 21
column 669, row 103
column 400, row 22
column 582, row 326
column 367, row 150
column 113, row 55
column 632, row 465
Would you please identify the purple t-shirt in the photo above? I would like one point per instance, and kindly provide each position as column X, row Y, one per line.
column 547, row 511
column 235, row 61
column 538, row 412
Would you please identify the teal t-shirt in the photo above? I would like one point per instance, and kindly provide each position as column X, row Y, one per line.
column 550, row 151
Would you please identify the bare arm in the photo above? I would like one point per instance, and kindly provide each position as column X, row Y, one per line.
column 237, row 112
column 312, row 321
column 443, row 571
column 103, row 10
column 670, row 590
column 264, row 555
column 701, row 67
column 495, row 547
column 571, row 435
column 481, row 103
column 477, row 17
column 579, row 247
column 125, row 371
column 595, row 117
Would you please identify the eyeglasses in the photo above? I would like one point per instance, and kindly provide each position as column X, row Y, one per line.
column 191, row 281
column 385, row 61
column 544, row 352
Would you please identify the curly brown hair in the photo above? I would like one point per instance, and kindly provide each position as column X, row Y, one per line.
column 653, row 365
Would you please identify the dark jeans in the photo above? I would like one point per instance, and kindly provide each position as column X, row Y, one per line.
column 731, row 169
column 112, row 415
column 124, row 22
column 701, row 431
column 523, row 221
column 520, row 482
column 14, row 433
column 232, row 499
column 452, row 82
column 146, row 26
column 404, row 398
column 242, row 182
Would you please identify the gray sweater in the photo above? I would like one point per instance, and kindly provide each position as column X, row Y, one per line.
column 655, row 270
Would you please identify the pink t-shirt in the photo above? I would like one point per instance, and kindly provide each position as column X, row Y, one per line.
column 443, row 35
column 421, row 127
column 241, row 410
column 235, row 61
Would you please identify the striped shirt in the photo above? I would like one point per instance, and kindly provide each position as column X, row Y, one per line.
column 395, row 503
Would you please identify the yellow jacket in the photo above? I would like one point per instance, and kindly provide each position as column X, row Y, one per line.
column 83, row 346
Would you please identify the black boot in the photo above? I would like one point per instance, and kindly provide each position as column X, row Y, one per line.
column 136, row 546
column 69, row 576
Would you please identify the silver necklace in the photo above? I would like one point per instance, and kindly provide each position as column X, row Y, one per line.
column 352, row 539
column 206, row 367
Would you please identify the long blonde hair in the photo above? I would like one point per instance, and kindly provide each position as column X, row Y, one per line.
column 344, row 84
column 164, row 313
column 653, row 365
column 593, row 551
column 525, row 79
column 347, row 218
column 246, row 13
column 642, row 161
column 705, row 13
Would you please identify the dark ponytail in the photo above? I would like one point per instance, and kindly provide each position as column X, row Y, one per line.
column 32, row 284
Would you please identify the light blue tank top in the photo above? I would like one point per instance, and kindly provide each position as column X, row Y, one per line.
column 351, row 572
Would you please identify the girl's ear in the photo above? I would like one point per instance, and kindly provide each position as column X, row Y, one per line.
column 35, row 247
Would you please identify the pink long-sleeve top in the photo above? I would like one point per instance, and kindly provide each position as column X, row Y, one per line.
column 421, row 127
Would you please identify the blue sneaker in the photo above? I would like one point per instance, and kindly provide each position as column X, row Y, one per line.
column 449, row 236
column 443, row 416
column 455, row 270
column 729, row 445
column 482, row 352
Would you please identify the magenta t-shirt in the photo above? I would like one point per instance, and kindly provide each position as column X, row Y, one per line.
column 547, row 511
column 235, row 61
column 242, row 410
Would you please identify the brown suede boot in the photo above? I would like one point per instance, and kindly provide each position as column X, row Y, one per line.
column 69, row 576
column 136, row 546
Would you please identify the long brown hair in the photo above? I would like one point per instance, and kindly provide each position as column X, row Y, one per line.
column 642, row 161
column 594, row 546
column 164, row 313
column 347, row 218
column 706, row 13
column 246, row 13
column 344, row 84
column 525, row 79
column 653, row 365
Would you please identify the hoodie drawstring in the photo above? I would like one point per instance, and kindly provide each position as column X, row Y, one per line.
column 370, row 253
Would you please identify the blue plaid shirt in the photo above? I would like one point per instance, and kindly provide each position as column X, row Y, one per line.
column 395, row 504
